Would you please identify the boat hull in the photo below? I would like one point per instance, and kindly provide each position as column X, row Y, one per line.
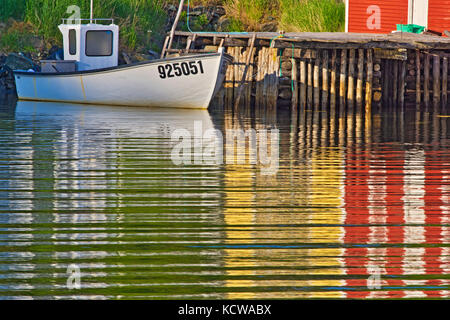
column 182, row 82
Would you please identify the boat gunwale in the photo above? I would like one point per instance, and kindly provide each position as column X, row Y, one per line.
column 121, row 67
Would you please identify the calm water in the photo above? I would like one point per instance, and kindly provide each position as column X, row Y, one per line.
column 359, row 207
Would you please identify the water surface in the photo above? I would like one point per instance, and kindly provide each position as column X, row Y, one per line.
column 359, row 207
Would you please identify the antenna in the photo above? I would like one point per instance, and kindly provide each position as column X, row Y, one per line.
column 92, row 10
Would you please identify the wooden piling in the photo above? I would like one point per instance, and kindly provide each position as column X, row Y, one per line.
column 325, row 84
column 351, row 80
column 229, row 80
column 386, row 81
column 248, row 56
column 294, row 84
column 369, row 82
column 317, row 81
column 333, row 83
column 343, row 82
column 394, row 83
column 426, row 81
column 418, row 79
column 294, row 100
column 359, row 82
column 303, row 84
column 402, row 84
column 436, row 80
column 310, row 84
column 444, row 81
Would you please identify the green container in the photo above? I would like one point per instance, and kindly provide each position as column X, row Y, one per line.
column 413, row 28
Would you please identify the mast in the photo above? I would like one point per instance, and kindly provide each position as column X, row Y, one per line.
column 92, row 11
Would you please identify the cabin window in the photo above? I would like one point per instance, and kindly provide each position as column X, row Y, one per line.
column 72, row 42
column 99, row 43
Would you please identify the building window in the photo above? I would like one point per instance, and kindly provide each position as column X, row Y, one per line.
column 72, row 42
column 99, row 43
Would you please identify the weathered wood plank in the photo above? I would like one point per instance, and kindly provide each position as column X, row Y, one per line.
column 369, row 82
column 426, row 81
column 436, row 80
column 351, row 80
column 343, row 82
column 317, row 82
column 418, row 80
column 444, row 82
column 333, row 83
column 325, row 84
column 360, row 80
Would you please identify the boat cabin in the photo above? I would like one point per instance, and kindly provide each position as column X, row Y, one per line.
column 91, row 46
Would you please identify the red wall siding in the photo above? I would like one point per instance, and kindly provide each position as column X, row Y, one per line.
column 439, row 15
column 392, row 13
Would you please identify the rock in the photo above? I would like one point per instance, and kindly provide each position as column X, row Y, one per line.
column 219, row 11
column 154, row 54
column 223, row 24
column 126, row 58
column 19, row 62
column 55, row 53
column 269, row 27
column 7, row 83
column 37, row 43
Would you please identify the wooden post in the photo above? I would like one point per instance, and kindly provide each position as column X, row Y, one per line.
column 259, row 77
column 395, row 83
column 294, row 84
column 303, row 84
column 175, row 23
column 426, row 81
column 418, row 80
column 333, row 83
column 369, row 82
column 163, row 52
column 402, row 84
column 351, row 80
column 310, row 84
column 360, row 80
column 250, row 77
column 342, row 82
column 244, row 73
column 316, row 81
column 386, row 81
column 444, row 81
column 190, row 41
column 436, row 80
column 325, row 84
column 294, row 105
column 229, row 81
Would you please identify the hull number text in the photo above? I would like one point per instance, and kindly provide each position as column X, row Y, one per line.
column 172, row 70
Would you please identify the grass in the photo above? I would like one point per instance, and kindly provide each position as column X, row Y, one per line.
column 250, row 14
column 312, row 15
column 143, row 22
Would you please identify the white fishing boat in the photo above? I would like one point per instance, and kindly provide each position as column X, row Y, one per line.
column 90, row 73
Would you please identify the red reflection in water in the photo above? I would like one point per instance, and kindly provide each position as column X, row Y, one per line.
column 405, row 191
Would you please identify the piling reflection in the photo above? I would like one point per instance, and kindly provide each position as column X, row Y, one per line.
column 358, row 209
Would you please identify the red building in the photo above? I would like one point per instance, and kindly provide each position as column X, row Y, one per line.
column 382, row 16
